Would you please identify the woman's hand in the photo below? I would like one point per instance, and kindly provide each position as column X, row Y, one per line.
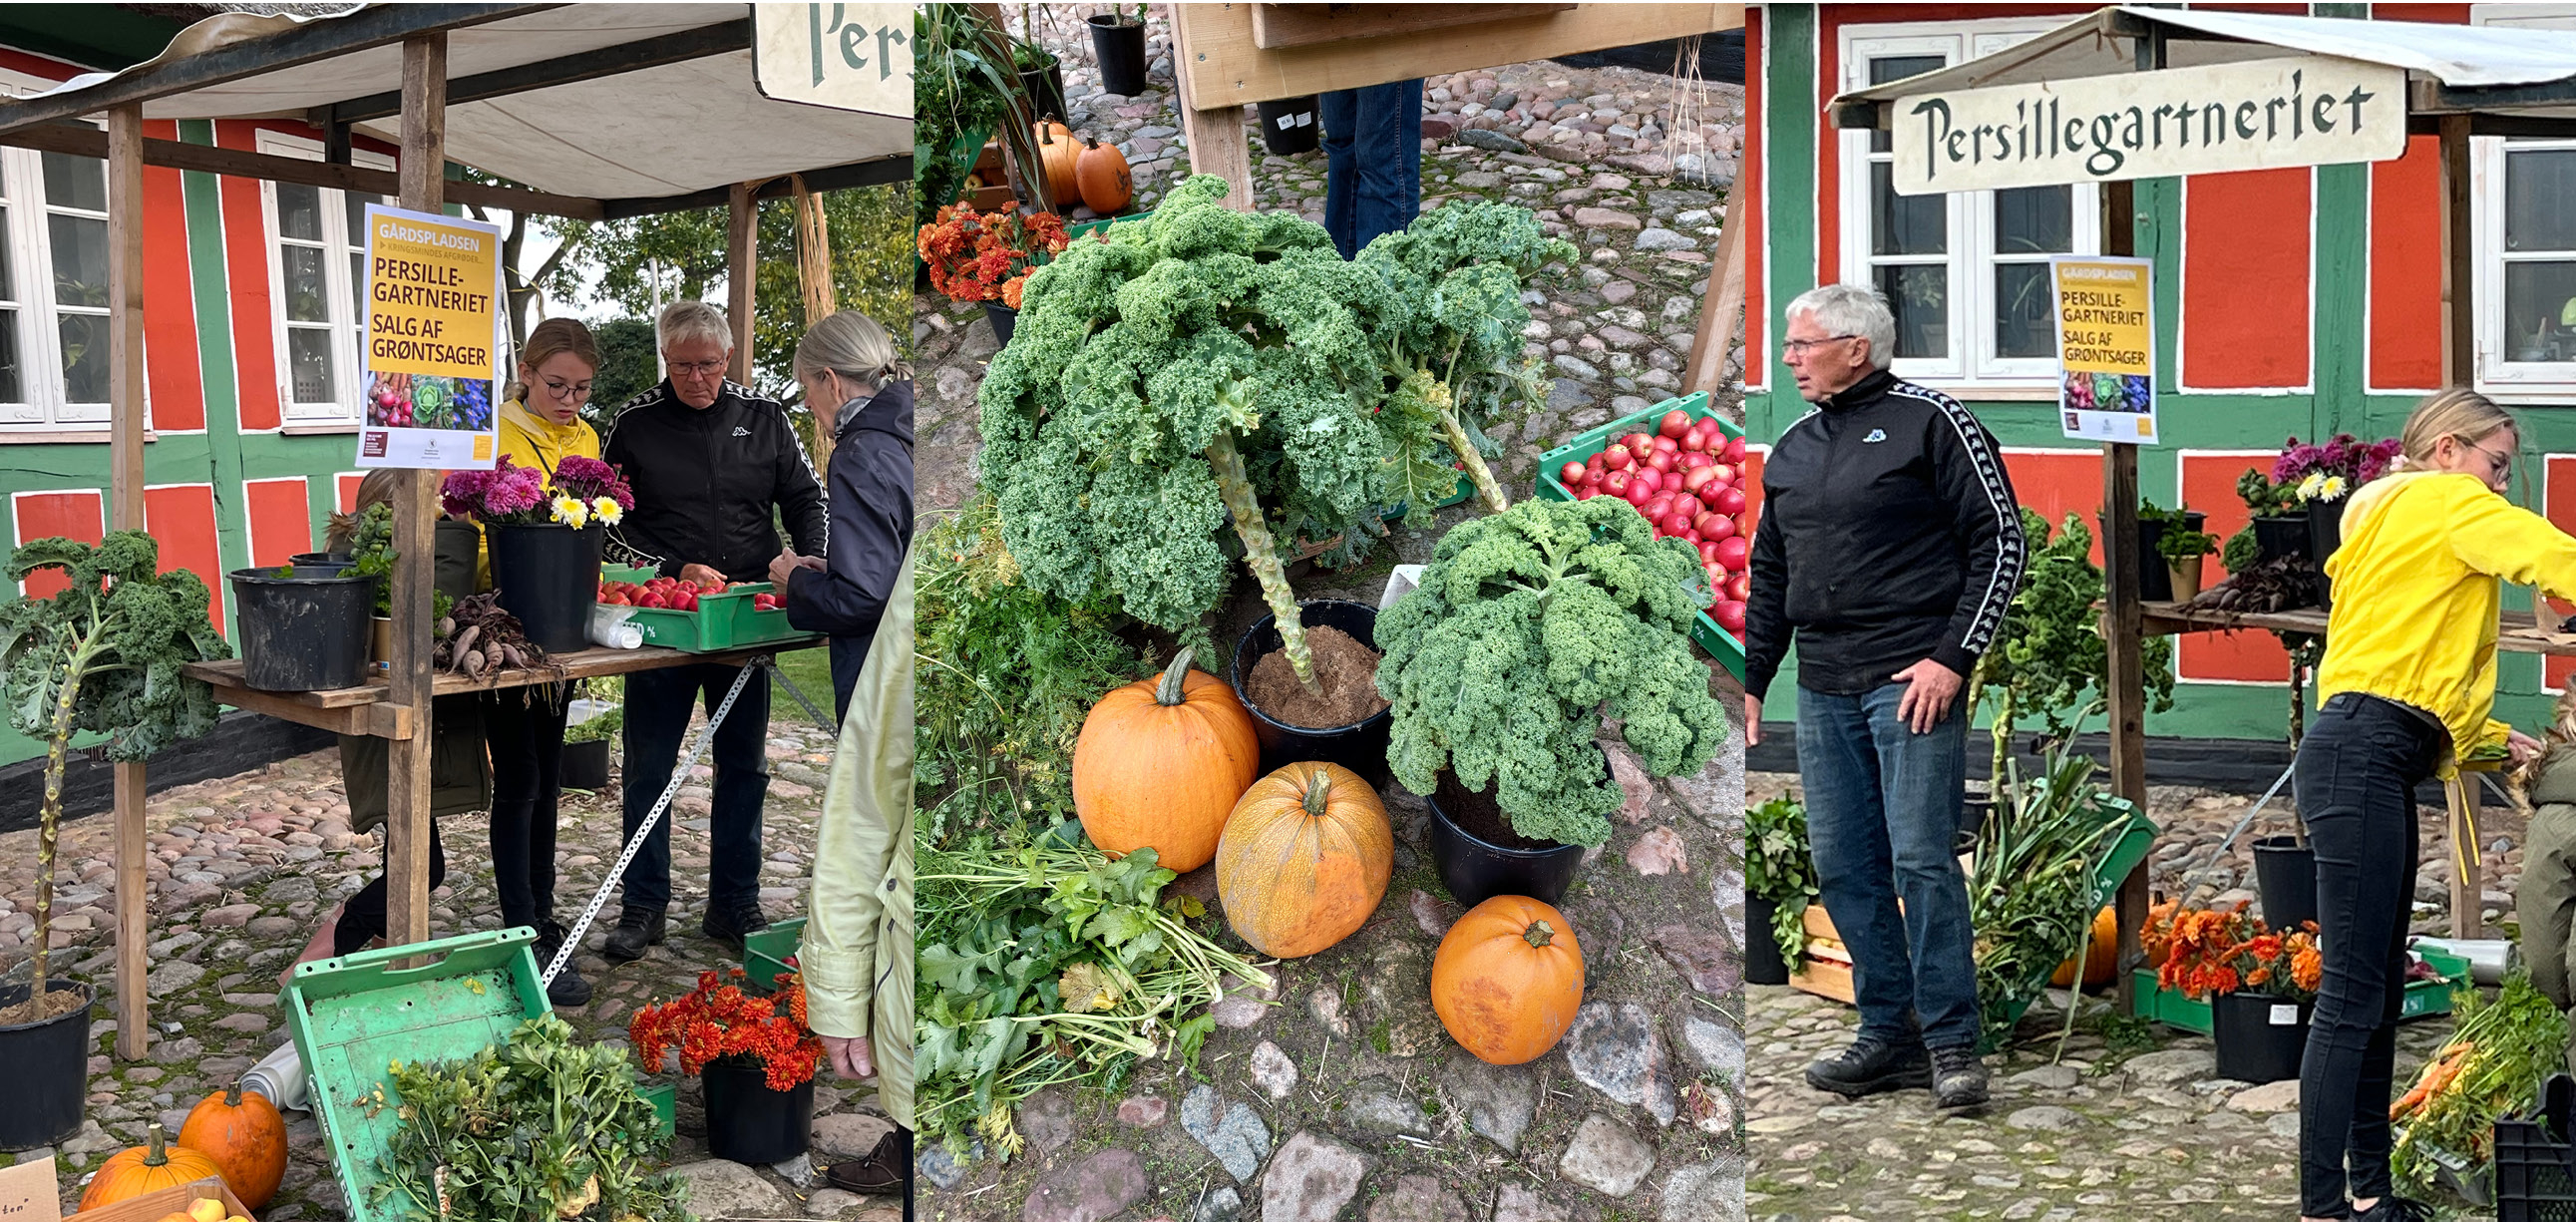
column 2522, row 747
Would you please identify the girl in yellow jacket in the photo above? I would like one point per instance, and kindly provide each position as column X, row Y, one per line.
column 2407, row 684
column 541, row 425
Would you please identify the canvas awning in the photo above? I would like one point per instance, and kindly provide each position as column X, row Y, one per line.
column 612, row 102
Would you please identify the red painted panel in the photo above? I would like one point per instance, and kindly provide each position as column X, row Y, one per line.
column 2558, row 503
column 281, row 519
column 2443, row 14
column 2406, row 268
column 37, row 65
column 348, row 488
column 170, row 326
column 2245, row 279
column 246, row 267
column 76, row 514
column 182, row 517
column 1757, row 315
column 1752, row 485
column 2059, row 482
column 2209, row 485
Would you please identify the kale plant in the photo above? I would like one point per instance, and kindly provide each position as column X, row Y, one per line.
column 1526, row 622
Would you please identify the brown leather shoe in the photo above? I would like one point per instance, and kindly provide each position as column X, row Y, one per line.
column 883, row 1171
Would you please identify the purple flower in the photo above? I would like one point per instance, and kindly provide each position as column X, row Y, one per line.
column 589, row 478
column 462, row 493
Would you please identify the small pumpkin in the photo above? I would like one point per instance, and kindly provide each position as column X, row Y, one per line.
column 1508, row 979
column 245, row 1136
column 151, row 1167
column 1056, row 150
column 1160, row 764
column 1304, row 859
column 2099, row 958
column 1100, row 173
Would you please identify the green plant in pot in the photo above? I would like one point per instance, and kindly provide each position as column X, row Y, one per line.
column 1527, row 624
column 100, row 657
column 1780, row 876
column 2184, row 551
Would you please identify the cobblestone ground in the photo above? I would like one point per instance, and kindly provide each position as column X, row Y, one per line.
column 2131, row 1122
column 1338, row 1095
column 243, row 868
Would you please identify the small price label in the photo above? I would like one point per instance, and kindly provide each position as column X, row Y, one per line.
column 2285, row 1016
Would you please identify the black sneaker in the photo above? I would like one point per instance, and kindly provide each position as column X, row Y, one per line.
column 637, row 928
column 569, row 991
column 1958, row 1077
column 1871, row 1067
column 2395, row 1209
column 731, row 927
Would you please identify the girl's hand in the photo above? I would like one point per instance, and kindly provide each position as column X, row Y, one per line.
column 2522, row 747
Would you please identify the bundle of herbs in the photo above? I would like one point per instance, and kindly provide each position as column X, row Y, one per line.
column 539, row 1127
column 1778, row 868
column 2500, row 1052
column 2034, row 891
column 1046, row 963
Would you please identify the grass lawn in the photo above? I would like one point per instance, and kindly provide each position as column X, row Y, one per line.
column 811, row 671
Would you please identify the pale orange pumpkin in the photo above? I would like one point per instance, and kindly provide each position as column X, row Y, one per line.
column 1056, row 150
column 1508, row 980
column 151, row 1167
column 1160, row 764
column 1304, row 859
column 2099, row 957
column 245, row 1136
column 1100, row 173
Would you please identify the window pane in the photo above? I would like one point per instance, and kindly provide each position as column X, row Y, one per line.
column 2536, row 187
column 12, row 383
column 306, row 297
column 80, row 261
column 1905, row 224
column 299, row 212
column 2023, row 321
column 358, row 277
column 2035, row 220
column 75, row 182
column 2540, row 311
column 356, row 202
column 309, row 352
column 8, row 276
column 1897, row 68
column 1920, row 297
column 84, row 357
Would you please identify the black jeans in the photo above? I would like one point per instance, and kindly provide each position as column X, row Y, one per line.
column 362, row 918
column 658, row 703
column 2357, row 773
column 525, row 726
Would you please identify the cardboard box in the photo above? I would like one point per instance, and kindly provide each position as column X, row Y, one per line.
column 30, row 1192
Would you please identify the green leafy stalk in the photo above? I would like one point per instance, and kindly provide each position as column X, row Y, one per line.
column 1262, row 556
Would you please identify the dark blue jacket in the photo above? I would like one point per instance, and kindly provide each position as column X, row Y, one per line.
column 871, row 500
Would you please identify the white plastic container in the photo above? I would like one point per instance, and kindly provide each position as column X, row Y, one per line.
column 609, row 629
column 280, row 1076
column 1402, row 581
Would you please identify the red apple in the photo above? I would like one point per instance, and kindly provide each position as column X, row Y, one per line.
column 1618, row 458
column 1731, row 553
column 1719, row 526
column 1653, row 479
column 1730, row 501
column 1707, row 552
column 1660, row 460
column 1668, row 445
column 1730, row 616
column 1675, row 423
column 1571, row 473
column 1697, row 478
column 1677, row 522
column 1734, row 451
column 1740, row 587
column 1616, row 483
column 1637, row 493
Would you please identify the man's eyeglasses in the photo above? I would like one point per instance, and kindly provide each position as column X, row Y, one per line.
column 566, row 390
column 698, row 369
column 1800, row 347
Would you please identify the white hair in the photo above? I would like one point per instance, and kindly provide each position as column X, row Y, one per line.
column 853, row 346
column 1852, row 309
column 688, row 320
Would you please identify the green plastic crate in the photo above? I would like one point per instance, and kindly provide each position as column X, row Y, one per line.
column 1720, row 644
column 1466, row 488
column 665, row 1098
column 1079, row 229
column 721, row 622
column 766, row 953
column 2170, row 1007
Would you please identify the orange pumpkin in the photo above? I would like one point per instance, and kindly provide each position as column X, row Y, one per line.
column 2099, row 957
column 1304, row 859
column 1100, row 173
column 1160, row 763
column 150, row 1167
column 1508, row 979
column 1056, row 151
column 245, row 1136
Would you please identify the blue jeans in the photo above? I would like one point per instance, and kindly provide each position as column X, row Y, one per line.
column 658, row 703
column 1372, row 161
column 1883, row 808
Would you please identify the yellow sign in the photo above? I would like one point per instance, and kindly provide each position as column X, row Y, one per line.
column 2106, row 348
column 429, row 296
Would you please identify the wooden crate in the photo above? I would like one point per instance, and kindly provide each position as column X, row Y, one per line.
column 1825, row 969
column 154, row 1205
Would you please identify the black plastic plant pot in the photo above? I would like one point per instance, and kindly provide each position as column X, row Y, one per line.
column 1044, row 88
column 2325, row 535
column 1119, row 44
column 2282, row 536
column 49, row 1061
column 1475, row 869
column 2285, row 874
column 1972, row 822
column 749, row 1123
column 585, row 764
column 1291, row 125
column 300, row 559
column 305, row 633
column 1002, row 318
column 2260, row 1038
column 547, row 574
column 1762, row 961
column 1359, row 746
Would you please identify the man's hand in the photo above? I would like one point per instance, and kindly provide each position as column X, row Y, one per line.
column 849, row 1057
column 2522, row 747
column 1930, row 687
column 785, row 566
column 700, row 574
column 1752, row 720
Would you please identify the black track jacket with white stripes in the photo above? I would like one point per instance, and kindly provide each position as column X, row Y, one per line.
column 1889, row 535
column 705, row 481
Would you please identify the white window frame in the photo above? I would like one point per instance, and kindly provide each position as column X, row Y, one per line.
column 347, row 319
column 2529, row 382
column 44, row 414
column 1972, row 362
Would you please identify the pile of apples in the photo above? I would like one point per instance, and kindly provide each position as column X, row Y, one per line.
column 1687, row 478
column 673, row 594
column 204, row 1209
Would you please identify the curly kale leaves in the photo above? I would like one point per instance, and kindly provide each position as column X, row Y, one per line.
column 1525, row 624
column 118, row 633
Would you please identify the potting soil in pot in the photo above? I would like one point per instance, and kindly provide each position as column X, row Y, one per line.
column 1480, row 816
column 1347, row 670
column 43, row 1006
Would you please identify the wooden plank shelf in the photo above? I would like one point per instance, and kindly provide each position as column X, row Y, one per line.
column 2517, row 631
column 366, row 710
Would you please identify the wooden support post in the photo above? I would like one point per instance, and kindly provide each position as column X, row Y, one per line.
column 125, row 408
column 742, row 268
column 415, row 506
column 1216, row 141
column 2459, row 302
column 2124, row 617
column 814, row 283
column 1718, row 308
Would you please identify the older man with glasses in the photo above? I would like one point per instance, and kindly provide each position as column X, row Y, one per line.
column 1890, row 546
column 710, row 461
